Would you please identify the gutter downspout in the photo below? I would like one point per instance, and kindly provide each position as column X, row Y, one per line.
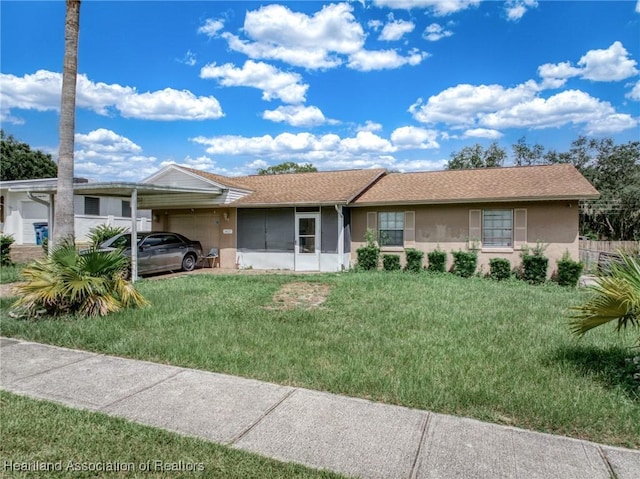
column 50, row 215
column 340, row 237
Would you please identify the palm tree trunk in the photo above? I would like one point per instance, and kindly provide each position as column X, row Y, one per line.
column 63, row 227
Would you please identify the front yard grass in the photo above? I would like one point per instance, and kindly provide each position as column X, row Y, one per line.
column 11, row 273
column 78, row 442
column 495, row 351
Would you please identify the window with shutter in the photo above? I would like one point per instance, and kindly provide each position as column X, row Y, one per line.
column 497, row 228
column 409, row 228
column 475, row 226
column 391, row 228
column 520, row 227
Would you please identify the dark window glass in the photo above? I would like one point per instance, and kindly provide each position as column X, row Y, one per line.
column 391, row 228
column 91, row 206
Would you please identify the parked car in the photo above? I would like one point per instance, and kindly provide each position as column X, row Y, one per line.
column 158, row 251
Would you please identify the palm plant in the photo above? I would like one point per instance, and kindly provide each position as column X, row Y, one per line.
column 92, row 283
column 101, row 233
column 616, row 297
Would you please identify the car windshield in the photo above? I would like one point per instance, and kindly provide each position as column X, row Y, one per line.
column 124, row 241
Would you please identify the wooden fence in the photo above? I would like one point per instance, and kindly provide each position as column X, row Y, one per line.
column 590, row 250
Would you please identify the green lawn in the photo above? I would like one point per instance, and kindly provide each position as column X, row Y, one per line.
column 11, row 274
column 71, row 440
column 500, row 352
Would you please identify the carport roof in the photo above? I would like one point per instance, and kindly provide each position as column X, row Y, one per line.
column 120, row 189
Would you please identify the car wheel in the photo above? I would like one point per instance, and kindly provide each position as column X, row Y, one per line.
column 188, row 263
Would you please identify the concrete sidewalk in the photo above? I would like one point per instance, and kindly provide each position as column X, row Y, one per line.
column 346, row 435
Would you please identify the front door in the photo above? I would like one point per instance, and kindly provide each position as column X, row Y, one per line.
column 307, row 248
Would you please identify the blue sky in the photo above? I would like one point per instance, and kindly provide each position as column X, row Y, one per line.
column 230, row 87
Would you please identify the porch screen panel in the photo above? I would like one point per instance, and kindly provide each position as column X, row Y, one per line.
column 252, row 233
column 280, row 229
column 347, row 229
column 329, row 230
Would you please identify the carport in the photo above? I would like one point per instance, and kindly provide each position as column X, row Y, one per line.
column 140, row 195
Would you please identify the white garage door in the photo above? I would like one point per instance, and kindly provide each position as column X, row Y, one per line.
column 203, row 227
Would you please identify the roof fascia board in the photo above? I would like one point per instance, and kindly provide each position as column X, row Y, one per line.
column 477, row 200
column 214, row 183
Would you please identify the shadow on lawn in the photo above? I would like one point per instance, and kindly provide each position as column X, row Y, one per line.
column 613, row 367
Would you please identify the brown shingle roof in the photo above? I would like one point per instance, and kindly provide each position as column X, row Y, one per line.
column 233, row 182
column 325, row 187
column 484, row 184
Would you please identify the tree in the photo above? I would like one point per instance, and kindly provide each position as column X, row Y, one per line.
column 288, row 167
column 527, row 155
column 20, row 162
column 477, row 157
column 63, row 228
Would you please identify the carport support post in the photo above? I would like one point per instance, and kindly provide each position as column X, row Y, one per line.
column 134, row 235
column 51, row 211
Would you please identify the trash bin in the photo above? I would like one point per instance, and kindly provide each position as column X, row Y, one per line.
column 42, row 232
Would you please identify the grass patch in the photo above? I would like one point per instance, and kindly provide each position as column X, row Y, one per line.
column 11, row 273
column 496, row 351
column 45, row 432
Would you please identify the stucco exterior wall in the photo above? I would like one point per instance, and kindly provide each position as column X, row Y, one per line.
column 554, row 223
column 213, row 227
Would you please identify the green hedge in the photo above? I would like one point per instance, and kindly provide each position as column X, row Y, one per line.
column 534, row 268
column 499, row 269
column 569, row 271
column 5, row 250
column 368, row 257
column 437, row 261
column 391, row 262
column 414, row 260
column 464, row 263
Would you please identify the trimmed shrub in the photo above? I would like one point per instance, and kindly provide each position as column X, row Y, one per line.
column 437, row 261
column 499, row 269
column 369, row 255
column 5, row 250
column 534, row 268
column 534, row 264
column 414, row 260
column 569, row 271
column 464, row 263
column 391, row 262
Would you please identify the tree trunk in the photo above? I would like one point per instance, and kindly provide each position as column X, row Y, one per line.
column 63, row 227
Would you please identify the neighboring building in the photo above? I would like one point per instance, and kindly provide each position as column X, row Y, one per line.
column 21, row 212
column 316, row 221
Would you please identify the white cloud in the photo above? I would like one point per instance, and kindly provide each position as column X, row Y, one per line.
column 309, row 41
column 211, row 27
column 461, row 104
column 483, row 133
column 570, row 106
column 189, row 58
column 104, row 155
column 369, row 60
column 638, row 7
column 485, row 109
column 517, row 8
column 634, row 93
column 435, row 32
column 364, row 150
column 369, row 126
column 274, row 83
column 396, row 29
column 41, row 91
column 411, row 137
column 375, row 25
column 297, row 115
column 438, row 7
column 611, row 64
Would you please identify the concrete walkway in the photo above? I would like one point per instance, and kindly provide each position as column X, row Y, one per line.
column 350, row 436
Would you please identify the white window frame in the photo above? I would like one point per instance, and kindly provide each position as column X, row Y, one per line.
column 398, row 217
column 498, row 240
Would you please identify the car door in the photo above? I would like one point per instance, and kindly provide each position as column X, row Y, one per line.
column 173, row 249
column 149, row 250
